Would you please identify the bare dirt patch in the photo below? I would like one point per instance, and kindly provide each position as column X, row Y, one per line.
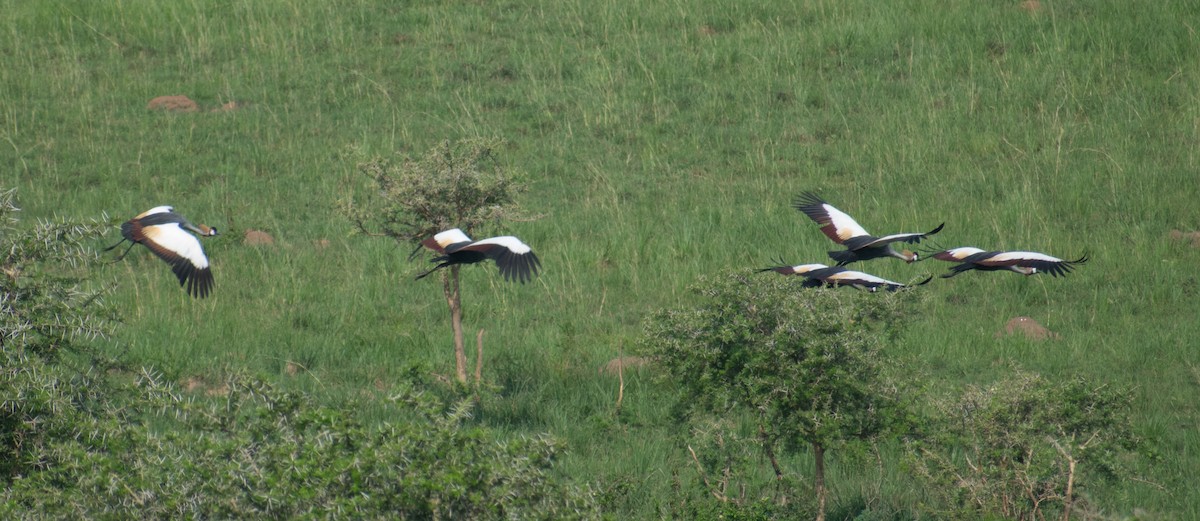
column 228, row 107
column 173, row 104
column 197, row 384
column 185, row 104
column 1192, row 237
column 630, row 362
column 1028, row 327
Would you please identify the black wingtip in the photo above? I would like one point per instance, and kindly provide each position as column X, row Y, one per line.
column 807, row 198
column 779, row 263
column 938, row 229
column 201, row 283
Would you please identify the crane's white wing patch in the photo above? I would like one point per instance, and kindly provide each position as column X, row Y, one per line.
column 844, row 225
column 174, row 239
column 1022, row 256
column 451, row 236
column 507, row 242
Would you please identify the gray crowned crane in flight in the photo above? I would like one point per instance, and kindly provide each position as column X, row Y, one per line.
column 1023, row 262
column 844, row 230
column 816, row 275
column 515, row 259
column 165, row 233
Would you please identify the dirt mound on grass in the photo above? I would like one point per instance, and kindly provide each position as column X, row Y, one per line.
column 1028, row 327
column 1193, row 237
column 173, row 104
column 185, row 104
column 258, row 238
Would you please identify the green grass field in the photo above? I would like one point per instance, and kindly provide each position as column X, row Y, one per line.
column 661, row 141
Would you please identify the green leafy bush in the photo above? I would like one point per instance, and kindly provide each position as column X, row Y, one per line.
column 259, row 452
column 808, row 365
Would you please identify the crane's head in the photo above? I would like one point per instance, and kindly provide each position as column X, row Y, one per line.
column 910, row 256
column 206, row 230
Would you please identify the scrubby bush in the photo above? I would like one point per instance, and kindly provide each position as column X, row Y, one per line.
column 1025, row 448
column 48, row 381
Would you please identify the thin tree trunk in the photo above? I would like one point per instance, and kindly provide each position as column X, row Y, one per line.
column 1069, row 496
column 479, row 358
column 454, row 300
column 767, row 444
column 819, row 479
column 767, row 448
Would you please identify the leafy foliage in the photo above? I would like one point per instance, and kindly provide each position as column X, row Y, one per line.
column 806, row 364
column 47, row 381
column 44, row 308
column 259, row 452
column 454, row 185
column 1027, row 447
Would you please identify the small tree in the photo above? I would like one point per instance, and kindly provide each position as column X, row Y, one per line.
column 454, row 185
column 807, row 364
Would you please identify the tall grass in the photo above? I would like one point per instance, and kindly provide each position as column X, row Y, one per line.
column 661, row 141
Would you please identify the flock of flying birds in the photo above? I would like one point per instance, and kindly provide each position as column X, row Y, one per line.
column 166, row 234
column 861, row 246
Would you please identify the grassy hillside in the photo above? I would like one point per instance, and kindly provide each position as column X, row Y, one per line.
column 661, row 142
